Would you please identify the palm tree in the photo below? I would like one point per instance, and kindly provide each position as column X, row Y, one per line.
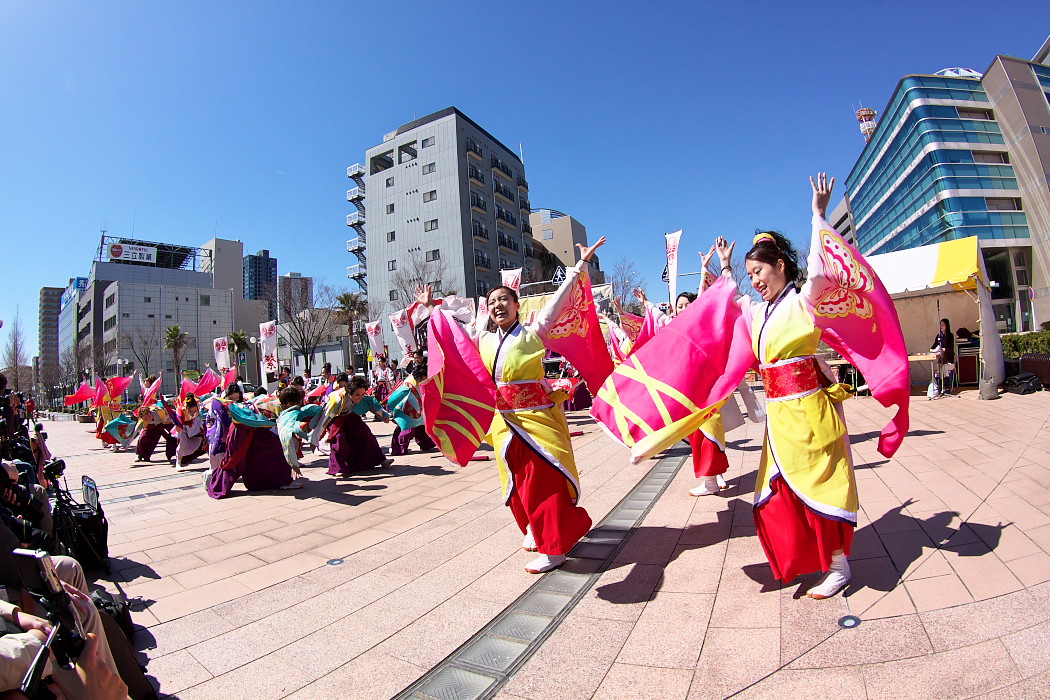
column 351, row 306
column 239, row 340
column 176, row 340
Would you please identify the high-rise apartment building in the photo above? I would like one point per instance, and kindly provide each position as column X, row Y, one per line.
column 47, row 365
column 446, row 204
column 959, row 154
column 295, row 293
column 260, row 280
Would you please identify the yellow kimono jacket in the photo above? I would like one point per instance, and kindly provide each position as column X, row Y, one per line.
column 517, row 357
column 806, row 440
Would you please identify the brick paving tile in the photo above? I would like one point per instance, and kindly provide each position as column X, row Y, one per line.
column 951, row 573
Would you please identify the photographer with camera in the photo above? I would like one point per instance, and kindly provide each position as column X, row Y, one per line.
column 25, row 511
column 54, row 593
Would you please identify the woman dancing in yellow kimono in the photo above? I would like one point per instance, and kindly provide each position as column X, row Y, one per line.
column 806, row 495
column 528, row 431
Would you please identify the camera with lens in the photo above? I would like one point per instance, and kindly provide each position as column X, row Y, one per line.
column 67, row 639
column 14, row 495
column 54, row 470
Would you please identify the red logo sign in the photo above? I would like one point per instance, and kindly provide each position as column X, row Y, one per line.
column 116, row 250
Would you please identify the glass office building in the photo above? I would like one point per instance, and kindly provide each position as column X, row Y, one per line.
column 960, row 154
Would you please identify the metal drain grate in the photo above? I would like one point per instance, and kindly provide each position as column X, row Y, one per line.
column 480, row 667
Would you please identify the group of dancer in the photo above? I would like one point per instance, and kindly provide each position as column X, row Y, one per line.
column 805, row 502
column 260, row 439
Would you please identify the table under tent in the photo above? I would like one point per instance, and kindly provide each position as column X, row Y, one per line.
column 944, row 280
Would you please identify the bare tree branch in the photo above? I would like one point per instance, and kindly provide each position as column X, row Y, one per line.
column 417, row 271
column 14, row 358
column 143, row 343
column 305, row 328
column 624, row 278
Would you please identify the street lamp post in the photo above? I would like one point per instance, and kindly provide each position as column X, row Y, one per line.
column 122, row 367
column 255, row 352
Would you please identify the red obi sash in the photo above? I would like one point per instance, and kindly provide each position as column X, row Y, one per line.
column 792, row 379
column 521, row 397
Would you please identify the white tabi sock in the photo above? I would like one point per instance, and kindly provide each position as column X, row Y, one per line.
column 835, row 580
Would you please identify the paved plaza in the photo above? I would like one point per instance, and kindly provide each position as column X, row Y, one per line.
column 368, row 587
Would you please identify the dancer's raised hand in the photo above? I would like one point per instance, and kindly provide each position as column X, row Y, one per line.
column 822, row 188
column 586, row 253
column 725, row 252
column 705, row 258
column 425, row 295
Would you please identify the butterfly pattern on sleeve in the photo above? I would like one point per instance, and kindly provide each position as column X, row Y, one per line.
column 851, row 281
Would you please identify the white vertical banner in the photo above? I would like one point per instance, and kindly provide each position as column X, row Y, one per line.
column 268, row 349
column 374, row 331
column 672, row 263
column 403, row 330
column 481, row 318
column 222, row 354
column 511, row 278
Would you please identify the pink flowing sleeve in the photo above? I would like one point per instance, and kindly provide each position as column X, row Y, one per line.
column 459, row 396
column 665, row 390
column 569, row 326
column 853, row 309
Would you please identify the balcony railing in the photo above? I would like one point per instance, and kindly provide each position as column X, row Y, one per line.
column 473, row 148
column 478, row 203
column 504, row 192
column 355, row 219
column 502, row 167
column 508, row 243
column 482, row 262
column 530, row 252
column 355, row 194
column 523, row 183
column 355, row 245
column 525, row 227
column 504, row 215
column 356, row 170
column 356, row 272
column 524, row 204
column 480, row 231
column 474, row 174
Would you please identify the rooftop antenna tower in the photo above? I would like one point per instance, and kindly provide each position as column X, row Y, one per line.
column 866, row 117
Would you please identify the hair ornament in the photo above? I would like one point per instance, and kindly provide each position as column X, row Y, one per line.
column 764, row 237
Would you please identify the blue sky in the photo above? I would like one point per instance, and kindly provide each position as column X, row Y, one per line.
column 193, row 119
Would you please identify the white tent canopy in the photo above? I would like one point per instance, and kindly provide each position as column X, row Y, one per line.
column 944, row 280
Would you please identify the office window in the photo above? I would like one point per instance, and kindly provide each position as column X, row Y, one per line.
column 428, row 142
column 191, row 365
column 393, row 295
column 167, row 316
column 205, row 300
column 548, row 234
column 391, row 265
column 390, row 182
column 433, row 255
column 389, row 208
column 430, row 196
column 390, row 236
column 149, row 316
column 110, row 300
column 147, row 300
column 430, row 225
column 435, row 286
column 429, row 168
